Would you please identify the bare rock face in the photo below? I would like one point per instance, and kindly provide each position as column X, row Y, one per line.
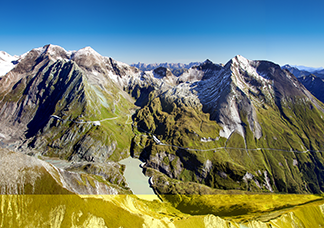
column 202, row 71
column 173, row 167
column 22, row 174
column 49, row 82
column 162, row 72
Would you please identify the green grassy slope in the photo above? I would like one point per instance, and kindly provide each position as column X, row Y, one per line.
column 287, row 158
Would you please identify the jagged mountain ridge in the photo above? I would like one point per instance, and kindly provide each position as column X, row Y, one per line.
column 176, row 68
column 304, row 71
column 295, row 71
column 152, row 66
column 312, row 80
column 319, row 73
column 314, row 84
column 241, row 105
column 240, row 97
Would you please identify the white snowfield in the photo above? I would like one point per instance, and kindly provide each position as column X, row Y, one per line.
column 7, row 62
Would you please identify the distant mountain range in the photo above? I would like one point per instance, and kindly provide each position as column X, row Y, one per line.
column 152, row 66
column 313, row 80
column 309, row 69
column 300, row 71
column 176, row 68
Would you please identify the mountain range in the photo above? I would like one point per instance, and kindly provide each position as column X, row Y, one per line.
column 152, row 66
column 312, row 80
column 176, row 68
column 246, row 126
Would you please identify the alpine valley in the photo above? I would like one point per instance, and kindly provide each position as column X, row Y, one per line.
column 234, row 145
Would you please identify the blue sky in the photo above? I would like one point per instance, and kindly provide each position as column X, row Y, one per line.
column 170, row 30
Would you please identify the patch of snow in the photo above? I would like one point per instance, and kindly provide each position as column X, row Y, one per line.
column 209, row 165
column 7, row 62
column 113, row 76
column 95, row 73
column 122, row 64
column 23, row 56
column 203, row 139
column 246, row 65
column 40, row 49
column 151, row 181
column 5, row 68
column 52, row 49
column 222, row 174
column 248, row 176
column 295, row 162
column 231, row 121
column 86, row 51
column 257, row 183
column 267, row 179
column 96, row 123
column 192, row 75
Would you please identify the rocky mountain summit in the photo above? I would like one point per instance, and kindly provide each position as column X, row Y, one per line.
column 243, row 126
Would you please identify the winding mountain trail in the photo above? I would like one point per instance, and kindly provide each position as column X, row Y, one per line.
column 158, row 142
column 113, row 118
column 95, row 122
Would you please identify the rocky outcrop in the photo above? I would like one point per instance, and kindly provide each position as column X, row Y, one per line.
column 23, row 174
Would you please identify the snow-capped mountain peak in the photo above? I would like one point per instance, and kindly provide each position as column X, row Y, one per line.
column 4, row 56
column 86, row 51
column 7, row 62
